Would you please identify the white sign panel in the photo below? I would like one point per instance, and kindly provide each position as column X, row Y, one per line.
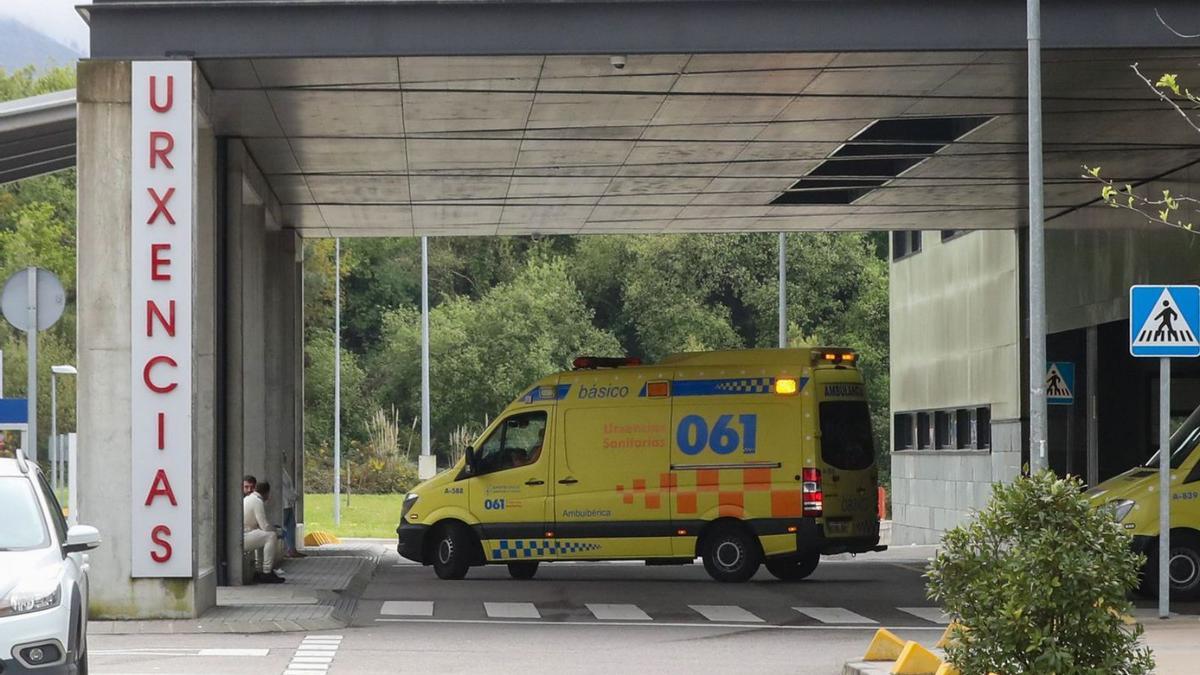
column 161, row 538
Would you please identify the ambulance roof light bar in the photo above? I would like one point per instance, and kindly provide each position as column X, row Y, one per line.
column 834, row 355
column 593, row 362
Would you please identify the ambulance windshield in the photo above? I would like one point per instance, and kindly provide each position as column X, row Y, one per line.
column 846, row 441
column 1183, row 441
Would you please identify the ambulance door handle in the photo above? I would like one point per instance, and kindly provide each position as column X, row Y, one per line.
column 568, row 481
column 534, row 481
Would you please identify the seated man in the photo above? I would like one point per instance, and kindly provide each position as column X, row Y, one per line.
column 260, row 535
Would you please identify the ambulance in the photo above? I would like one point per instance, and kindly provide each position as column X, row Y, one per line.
column 1133, row 499
column 738, row 458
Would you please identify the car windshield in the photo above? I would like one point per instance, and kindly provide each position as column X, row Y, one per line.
column 1183, row 441
column 23, row 527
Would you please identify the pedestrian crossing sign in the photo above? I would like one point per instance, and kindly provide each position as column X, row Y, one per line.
column 1060, row 383
column 1163, row 321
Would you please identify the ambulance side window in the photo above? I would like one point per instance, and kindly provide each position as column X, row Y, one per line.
column 516, row 442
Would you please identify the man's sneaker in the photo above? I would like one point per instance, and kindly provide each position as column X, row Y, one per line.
column 269, row 578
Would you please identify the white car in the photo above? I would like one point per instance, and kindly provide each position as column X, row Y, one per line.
column 43, row 576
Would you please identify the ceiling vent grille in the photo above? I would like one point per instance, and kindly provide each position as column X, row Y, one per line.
column 877, row 154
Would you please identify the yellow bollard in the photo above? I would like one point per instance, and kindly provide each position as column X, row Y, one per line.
column 947, row 669
column 948, row 636
column 885, row 646
column 916, row 660
column 320, row 539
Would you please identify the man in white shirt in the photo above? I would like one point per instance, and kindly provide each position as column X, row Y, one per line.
column 258, row 534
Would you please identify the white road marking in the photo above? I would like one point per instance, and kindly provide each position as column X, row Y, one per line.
column 315, row 654
column 659, row 624
column 931, row 614
column 833, row 615
column 233, row 652
column 610, row 612
column 511, row 610
column 407, row 608
column 726, row 613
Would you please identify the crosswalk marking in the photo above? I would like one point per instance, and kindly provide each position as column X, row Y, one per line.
column 315, row 654
column 833, row 615
column 617, row 612
column 729, row 613
column 407, row 608
column 511, row 610
column 931, row 614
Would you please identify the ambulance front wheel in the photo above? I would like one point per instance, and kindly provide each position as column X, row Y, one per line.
column 522, row 570
column 451, row 552
column 730, row 554
column 794, row 569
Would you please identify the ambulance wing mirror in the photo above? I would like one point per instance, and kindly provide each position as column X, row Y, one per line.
column 469, row 457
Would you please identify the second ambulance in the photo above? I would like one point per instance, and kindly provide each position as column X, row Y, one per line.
column 737, row 457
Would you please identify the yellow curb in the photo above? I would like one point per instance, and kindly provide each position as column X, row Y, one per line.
column 885, row 646
column 947, row 669
column 916, row 660
column 948, row 635
column 320, row 539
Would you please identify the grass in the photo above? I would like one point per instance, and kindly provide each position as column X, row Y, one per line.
column 362, row 515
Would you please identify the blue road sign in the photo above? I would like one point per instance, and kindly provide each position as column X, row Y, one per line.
column 1060, row 383
column 13, row 411
column 1163, row 321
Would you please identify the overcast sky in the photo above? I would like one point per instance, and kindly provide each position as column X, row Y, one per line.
column 56, row 18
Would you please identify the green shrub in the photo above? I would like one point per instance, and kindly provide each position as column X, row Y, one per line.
column 1038, row 582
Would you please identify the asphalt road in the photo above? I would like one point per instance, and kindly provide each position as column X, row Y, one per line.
column 574, row 617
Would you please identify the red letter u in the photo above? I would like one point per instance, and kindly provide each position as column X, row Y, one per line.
column 154, row 94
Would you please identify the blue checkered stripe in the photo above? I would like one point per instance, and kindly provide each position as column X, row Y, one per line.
column 753, row 385
column 538, row 548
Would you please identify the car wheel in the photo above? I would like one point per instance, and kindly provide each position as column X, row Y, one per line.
column 794, row 569
column 522, row 570
column 730, row 554
column 1184, row 568
column 452, row 552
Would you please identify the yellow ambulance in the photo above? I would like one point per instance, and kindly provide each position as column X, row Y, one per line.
column 736, row 457
column 1133, row 498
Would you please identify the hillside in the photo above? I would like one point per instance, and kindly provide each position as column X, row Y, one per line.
column 21, row 46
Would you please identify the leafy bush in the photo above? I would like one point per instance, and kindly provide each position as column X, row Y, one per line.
column 1038, row 582
column 367, row 476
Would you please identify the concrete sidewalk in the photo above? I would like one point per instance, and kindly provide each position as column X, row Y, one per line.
column 321, row 593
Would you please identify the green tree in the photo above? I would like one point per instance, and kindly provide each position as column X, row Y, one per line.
column 37, row 227
column 484, row 352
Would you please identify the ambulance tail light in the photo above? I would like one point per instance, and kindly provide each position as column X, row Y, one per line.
column 593, row 362
column 812, row 497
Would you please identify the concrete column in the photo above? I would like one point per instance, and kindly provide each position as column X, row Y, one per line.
column 104, row 343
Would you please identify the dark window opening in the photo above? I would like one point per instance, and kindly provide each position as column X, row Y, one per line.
column 924, row 437
column 846, row 438
column 947, row 235
column 962, row 427
column 944, row 430
column 903, row 425
column 905, row 243
column 983, row 428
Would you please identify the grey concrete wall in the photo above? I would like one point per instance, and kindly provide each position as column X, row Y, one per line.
column 263, row 347
column 103, row 338
column 955, row 343
column 934, row 490
column 1095, row 254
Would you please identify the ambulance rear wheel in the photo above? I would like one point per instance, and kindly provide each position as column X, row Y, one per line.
column 730, row 554
column 522, row 570
column 451, row 552
column 794, row 569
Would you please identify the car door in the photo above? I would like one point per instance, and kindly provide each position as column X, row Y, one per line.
column 508, row 492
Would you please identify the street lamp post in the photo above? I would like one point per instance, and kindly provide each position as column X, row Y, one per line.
column 56, row 455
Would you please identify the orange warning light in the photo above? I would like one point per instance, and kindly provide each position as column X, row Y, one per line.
column 658, row 389
column 786, row 386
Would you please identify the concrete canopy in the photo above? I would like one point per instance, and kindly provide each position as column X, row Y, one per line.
column 37, row 135
column 676, row 142
column 382, row 118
